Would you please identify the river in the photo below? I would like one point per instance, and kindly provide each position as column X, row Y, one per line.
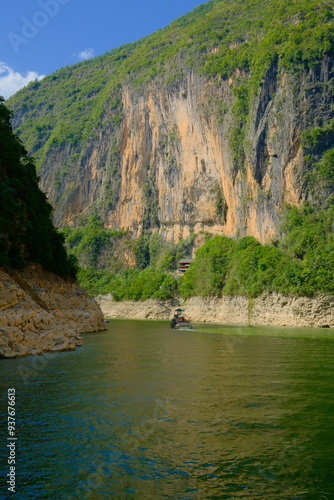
column 143, row 412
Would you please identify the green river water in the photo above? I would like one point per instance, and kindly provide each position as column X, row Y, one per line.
column 144, row 412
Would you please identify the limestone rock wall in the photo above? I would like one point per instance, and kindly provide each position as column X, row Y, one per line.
column 41, row 312
column 267, row 310
column 170, row 165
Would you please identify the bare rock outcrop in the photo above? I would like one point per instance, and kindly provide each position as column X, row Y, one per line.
column 267, row 310
column 41, row 312
column 175, row 170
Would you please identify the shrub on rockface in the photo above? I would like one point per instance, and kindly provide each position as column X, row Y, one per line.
column 207, row 273
column 302, row 263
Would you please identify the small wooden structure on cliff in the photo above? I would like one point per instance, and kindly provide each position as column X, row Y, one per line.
column 184, row 265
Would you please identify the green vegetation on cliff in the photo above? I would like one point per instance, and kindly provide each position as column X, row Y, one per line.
column 219, row 38
column 27, row 233
column 301, row 263
column 113, row 262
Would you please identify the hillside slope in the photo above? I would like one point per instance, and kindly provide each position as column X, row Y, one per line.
column 27, row 233
column 211, row 124
column 42, row 307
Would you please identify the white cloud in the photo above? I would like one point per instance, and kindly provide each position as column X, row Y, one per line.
column 11, row 81
column 86, row 54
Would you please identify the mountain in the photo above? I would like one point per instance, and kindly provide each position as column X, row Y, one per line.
column 211, row 124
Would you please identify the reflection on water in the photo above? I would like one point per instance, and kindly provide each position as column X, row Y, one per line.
column 144, row 412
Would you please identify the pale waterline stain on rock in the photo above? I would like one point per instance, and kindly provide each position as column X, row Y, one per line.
column 267, row 310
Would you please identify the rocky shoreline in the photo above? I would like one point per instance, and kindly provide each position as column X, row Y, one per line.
column 41, row 312
column 267, row 310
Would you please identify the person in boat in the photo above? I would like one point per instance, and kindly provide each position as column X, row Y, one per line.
column 174, row 321
column 179, row 315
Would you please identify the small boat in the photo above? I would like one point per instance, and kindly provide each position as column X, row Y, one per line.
column 180, row 321
column 183, row 325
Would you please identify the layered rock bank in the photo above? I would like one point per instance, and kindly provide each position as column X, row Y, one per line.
column 41, row 312
column 267, row 310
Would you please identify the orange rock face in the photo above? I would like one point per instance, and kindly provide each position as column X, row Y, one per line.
column 174, row 170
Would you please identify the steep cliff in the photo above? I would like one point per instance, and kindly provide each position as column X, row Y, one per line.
column 199, row 127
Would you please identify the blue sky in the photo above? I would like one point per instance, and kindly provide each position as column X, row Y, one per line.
column 39, row 36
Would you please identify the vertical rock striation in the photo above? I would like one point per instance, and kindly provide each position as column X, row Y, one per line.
column 197, row 127
column 170, row 164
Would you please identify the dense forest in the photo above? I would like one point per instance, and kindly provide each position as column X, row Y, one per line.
column 27, row 233
column 300, row 263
